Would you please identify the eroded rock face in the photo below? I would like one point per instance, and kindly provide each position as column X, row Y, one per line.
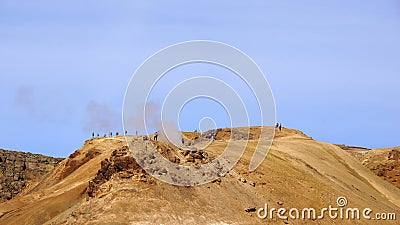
column 386, row 164
column 121, row 163
column 76, row 160
column 182, row 156
column 18, row 169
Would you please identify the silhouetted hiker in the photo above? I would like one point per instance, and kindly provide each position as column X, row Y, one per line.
column 277, row 125
column 98, row 135
column 116, row 134
column 156, row 136
column 111, row 134
column 92, row 134
column 183, row 141
column 126, row 132
column 280, row 127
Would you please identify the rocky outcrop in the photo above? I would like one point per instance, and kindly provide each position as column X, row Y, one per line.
column 188, row 155
column 18, row 169
column 121, row 163
column 385, row 164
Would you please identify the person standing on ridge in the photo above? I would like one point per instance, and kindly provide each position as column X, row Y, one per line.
column 280, row 127
column 156, row 136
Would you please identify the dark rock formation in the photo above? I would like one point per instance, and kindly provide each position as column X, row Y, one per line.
column 121, row 163
column 18, row 169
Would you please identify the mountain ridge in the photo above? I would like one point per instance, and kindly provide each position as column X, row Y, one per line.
column 100, row 184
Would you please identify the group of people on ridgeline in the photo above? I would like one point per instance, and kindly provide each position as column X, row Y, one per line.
column 278, row 126
column 110, row 134
column 155, row 137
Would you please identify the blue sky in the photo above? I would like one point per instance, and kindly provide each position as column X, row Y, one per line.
column 333, row 66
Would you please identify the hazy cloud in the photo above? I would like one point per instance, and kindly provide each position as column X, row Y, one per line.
column 101, row 118
column 24, row 98
column 152, row 118
column 43, row 105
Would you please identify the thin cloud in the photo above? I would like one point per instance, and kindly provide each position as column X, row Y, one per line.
column 43, row 105
column 101, row 118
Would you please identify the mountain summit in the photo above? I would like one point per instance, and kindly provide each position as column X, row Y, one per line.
column 101, row 183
